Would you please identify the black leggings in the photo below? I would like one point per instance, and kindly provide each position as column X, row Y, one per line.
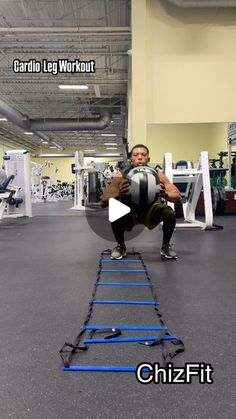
column 161, row 213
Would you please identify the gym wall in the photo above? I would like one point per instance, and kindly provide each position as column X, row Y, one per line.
column 62, row 163
column 1, row 156
column 3, row 148
column 64, row 166
column 183, row 64
column 185, row 141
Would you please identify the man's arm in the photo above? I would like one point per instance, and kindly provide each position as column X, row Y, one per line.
column 116, row 189
column 168, row 190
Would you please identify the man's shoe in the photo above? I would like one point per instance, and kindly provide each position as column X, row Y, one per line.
column 119, row 252
column 167, row 252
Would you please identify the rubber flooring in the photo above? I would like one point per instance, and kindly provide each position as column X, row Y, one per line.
column 48, row 267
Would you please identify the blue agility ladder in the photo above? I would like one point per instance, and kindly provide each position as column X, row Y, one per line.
column 113, row 333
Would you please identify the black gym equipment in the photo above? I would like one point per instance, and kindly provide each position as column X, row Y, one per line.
column 218, row 183
column 4, row 188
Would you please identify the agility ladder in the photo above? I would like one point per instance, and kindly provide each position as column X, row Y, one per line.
column 170, row 344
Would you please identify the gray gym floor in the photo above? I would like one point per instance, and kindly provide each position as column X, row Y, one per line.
column 48, row 268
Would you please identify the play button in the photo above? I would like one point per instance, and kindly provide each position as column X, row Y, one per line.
column 116, row 210
column 100, row 219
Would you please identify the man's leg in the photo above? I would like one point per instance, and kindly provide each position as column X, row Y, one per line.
column 165, row 214
column 119, row 227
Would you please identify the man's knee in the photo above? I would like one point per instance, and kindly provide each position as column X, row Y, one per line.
column 169, row 212
column 159, row 213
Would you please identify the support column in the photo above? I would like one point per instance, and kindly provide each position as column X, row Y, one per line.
column 139, row 90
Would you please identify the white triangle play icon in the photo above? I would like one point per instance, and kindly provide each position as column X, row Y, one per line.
column 116, row 210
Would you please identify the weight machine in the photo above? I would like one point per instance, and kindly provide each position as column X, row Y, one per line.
column 17, row 166
column 79, row 170
column 195, row 180
column 231, row 143
column 88, row 185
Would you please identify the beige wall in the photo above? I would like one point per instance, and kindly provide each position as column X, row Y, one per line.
column 63, row 164
column 3, row 148
column 185, row 141
column 219, row 133
column 183, row 78
column 1, row 155
column 139, row 77
column 190, row 64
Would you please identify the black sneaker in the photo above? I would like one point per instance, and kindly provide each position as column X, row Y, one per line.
column 167, row 252
column 119, row 252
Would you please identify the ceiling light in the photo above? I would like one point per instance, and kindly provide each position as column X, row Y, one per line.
column 52, row 146
column 3, row 119
column 110, row 144
column 112, row 122
column 111, row 148
column 73, row 86
column 28, row 133
column 44, row 142
column 89, row 150
column 108, row 135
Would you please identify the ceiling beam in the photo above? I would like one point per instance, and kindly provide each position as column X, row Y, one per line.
column 111, row 30
column 66, row 48
column 52, row 44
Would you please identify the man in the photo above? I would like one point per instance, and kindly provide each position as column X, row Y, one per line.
column 150, row 217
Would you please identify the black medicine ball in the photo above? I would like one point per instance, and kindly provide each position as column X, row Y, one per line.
column 144, row 185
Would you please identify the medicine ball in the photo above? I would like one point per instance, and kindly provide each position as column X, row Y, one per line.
column 144, row 185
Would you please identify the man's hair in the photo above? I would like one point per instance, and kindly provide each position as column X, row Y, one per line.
column 138, row 146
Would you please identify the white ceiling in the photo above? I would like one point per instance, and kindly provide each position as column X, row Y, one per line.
column 65, row 29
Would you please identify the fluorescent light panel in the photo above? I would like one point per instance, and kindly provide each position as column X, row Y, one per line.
column 111, row 148
column 108, row 135
column 73, row 86
column 28, row 133
column 3, row 119
column 110, row 144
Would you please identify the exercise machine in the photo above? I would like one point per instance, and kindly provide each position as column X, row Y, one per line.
column 195, row 181
column 18, row 202
column 231, row 155
column 79, row 170
column 90, row 181
column 7, row 196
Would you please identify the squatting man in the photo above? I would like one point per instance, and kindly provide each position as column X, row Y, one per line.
column 151, row 216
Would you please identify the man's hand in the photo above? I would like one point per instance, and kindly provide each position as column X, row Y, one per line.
column 124, row 187
column 168, row 191
column 163, row 192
